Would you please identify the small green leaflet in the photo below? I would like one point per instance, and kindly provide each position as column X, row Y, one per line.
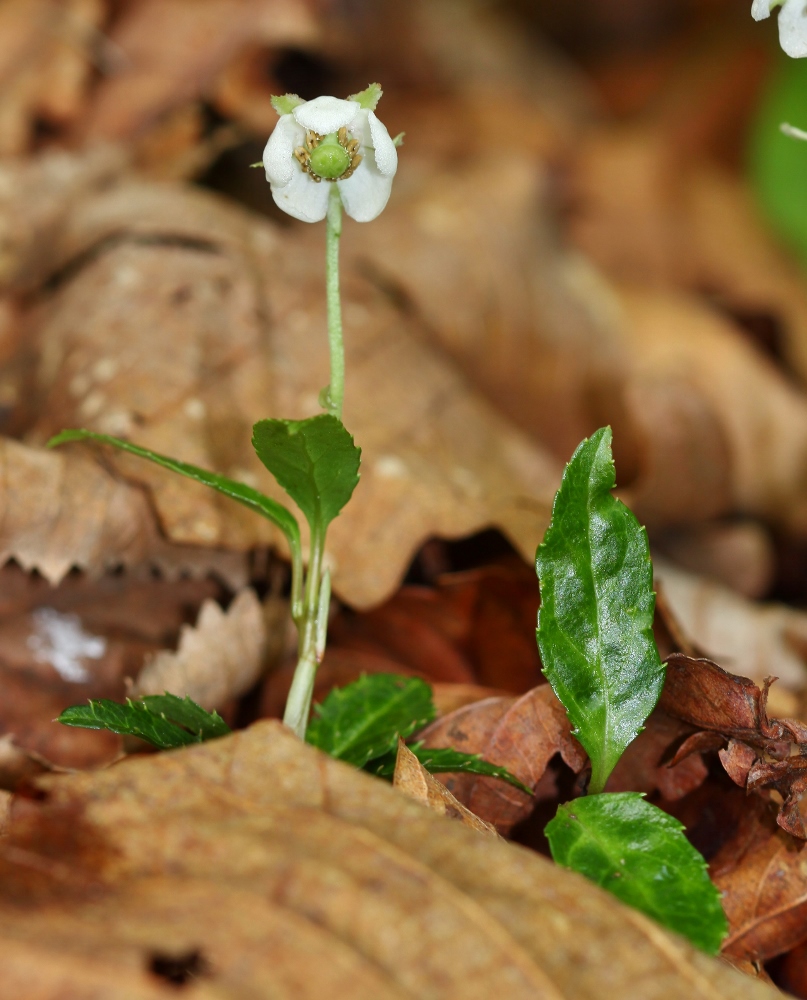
column 162, row 720
column 186, row 713
column 445, row 761
column 363, row 720
column 314, row 460
column 595, row 623
column 246, row 495
column 640, row 854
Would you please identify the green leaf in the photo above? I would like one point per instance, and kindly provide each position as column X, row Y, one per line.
column 777, row 162
column 246, row 495
column 186, row 713
column 131, row 719
column 363, row 720
column 369, row 97
column 445, row 761
column 284, row 104
column 314, row 460
column 595, row 624
column 640, row 854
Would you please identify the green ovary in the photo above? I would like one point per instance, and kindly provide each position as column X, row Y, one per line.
column 329, row 160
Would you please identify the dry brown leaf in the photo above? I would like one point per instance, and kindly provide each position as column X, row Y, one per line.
column 521, row 734
column 191, row 287
column 60, row 510
column 290, row 874
column 762, row 873
column 170, row 52
column 412, row 779
column 217, row 660
column 5, row 811
column 752, row 639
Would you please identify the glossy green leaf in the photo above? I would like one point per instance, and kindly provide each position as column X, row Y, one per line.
column 595, row 624
column 246, row 495
column 363, row 720
column 445, row 761
column 777, row 162
column 131, row 719
column 641, row 855
column 314, row 460
column 186, row 713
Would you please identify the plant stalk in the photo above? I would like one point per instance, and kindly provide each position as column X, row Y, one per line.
column 335, row 394
column 298, row 705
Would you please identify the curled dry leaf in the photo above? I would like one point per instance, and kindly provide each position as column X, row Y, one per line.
column 188, row 279
column 762, row 753
column 217, row 660
column 289, row 873
column 521, row 734
column 412, row 779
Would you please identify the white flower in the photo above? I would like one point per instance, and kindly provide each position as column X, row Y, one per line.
column 792, row 23
column 326, row 141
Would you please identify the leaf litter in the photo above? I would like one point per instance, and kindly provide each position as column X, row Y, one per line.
column 693, row 445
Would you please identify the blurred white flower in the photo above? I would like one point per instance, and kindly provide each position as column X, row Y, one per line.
column 792, row 23
column 332, row 141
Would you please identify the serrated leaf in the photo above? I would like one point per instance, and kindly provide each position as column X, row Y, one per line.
column 363, row 720
column 131, row 719
column 244, row 494
column 595, row 623
column 778, row 163
column 445, row 760
column 641, row 855
column 186, row 713
column 314, row 460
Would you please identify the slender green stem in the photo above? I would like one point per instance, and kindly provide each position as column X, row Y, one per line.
column 310, row 609
column 298, row 705
column 336, row 390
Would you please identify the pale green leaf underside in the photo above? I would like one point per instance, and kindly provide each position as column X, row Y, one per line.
column 641, row 855
column 363, row 720
column 314, row 460
column 246, row 495
column 595, row 624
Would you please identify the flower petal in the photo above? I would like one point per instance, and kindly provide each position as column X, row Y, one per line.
column 760, row 9
column 367, row 192
column 302, row 197
column 793, row 28
column 278, row 155
column 326, row 114
column 386, row 155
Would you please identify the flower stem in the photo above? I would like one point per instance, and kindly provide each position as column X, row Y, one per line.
column 335, row 394
column 298, row 705
column 311, row 616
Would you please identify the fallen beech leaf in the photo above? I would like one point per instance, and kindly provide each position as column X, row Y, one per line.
column 5, row 811
column 449, row 697
column 762, row 873
column 412, row 778
column 171, row 52
column 60, row 511
column 752, row 639
column 291, row 873
column 195, row 276
column 217, row 660
column 521, row 735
